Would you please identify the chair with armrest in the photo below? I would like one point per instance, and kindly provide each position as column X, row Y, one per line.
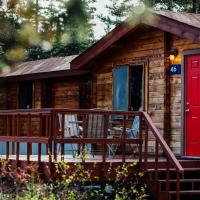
column 95, row 127
column 71, row 130
column 131, row 133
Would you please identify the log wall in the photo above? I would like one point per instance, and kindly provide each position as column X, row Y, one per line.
column 65, row 94
column 164, row 92
column 147, row 47
column 176, row 95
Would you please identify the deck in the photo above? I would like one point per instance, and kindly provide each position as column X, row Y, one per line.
column 100, row 137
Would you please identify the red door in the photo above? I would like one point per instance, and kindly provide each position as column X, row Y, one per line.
column 193, row 105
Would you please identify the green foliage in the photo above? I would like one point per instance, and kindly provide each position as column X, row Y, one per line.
column 178, row 5
column 77, row 183
column 118, row 11
column 29, row 30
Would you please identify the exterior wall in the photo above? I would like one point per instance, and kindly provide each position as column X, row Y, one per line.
column 164, row 92
column 65, row 94
column 62, row 94
column 12, row 95
column 176, row 95
column 3, row 97
column 37, row 94
column 138, row 48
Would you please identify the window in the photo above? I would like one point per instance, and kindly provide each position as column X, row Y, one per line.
column 25, row 95
column 128, row 88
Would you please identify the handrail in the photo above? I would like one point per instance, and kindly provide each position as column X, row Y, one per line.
column 162, row 142
column 171, row 159
column 77, row 111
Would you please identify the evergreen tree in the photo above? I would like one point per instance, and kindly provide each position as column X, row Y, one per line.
column 178, row 5
column 118, row 11
column 68, row 28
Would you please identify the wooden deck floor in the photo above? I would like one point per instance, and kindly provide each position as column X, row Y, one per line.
column 70, row 158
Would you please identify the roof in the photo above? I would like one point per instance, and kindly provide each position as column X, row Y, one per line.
column 40, row 69
column 191, row 19
column 185, row 25
column 40, row 66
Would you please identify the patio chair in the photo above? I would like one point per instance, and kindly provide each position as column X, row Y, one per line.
column 71, row 130
column 131, row 133
column 95, row 127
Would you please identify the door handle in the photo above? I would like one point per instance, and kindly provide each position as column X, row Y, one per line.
column 187, row 110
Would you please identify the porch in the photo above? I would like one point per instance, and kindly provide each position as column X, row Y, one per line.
column 86, row 136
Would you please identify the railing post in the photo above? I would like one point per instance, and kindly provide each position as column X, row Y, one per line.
column 167, row 175
column 146, row 146
column 17, row 147
column 178, row 186
column 156, row 164
column 140, row 136
column 40, row 134
column 13, row 133
column 63, row 136
column 105, row 128
column 29, row 145
column 50, row 136
column 84, row 136
column 55, row 131
column 124, row 137
column 7, row 133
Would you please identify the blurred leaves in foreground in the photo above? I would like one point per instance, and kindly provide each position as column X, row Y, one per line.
column 32, row 30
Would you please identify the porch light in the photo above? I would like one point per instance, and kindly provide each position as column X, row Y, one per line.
column 173, row 55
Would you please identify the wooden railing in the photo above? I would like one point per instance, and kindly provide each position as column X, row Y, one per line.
column 160, row 147
column 27, row 127
column 97, row 135
column 102, row 130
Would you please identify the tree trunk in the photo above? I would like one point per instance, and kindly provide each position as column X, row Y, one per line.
column 36, row 15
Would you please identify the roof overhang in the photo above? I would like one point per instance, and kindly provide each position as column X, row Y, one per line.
column 43, row 75
column 149, row 18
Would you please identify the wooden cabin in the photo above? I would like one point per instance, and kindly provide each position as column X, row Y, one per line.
column 148, row 66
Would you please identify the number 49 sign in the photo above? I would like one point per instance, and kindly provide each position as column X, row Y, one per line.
column 175, row 69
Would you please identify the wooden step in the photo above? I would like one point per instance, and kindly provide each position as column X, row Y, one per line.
column 189, row 173
column 185, row 195
column 185, row 184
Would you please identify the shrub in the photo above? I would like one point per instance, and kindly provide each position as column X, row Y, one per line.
column 72, row 183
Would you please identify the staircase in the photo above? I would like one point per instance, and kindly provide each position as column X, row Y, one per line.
column 189, row 182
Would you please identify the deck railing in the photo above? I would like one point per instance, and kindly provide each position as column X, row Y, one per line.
column 90, row 135
column 160, row 147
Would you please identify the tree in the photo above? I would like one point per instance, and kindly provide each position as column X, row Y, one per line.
column 118, row 11
column 179, row 5
column 68, row 27
column 30, row 30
